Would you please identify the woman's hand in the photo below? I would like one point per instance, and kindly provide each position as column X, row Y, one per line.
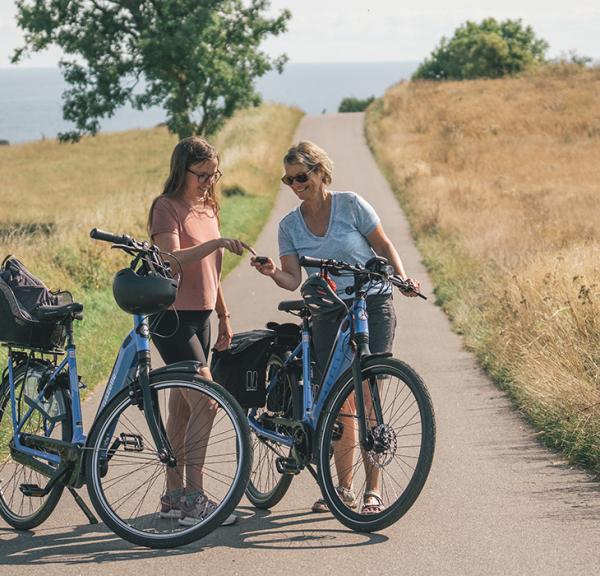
column 416, row 287
column 268, row 268
column 234, row 245
column 225, row 334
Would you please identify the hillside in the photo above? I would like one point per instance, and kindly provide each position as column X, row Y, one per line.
column 53, row 194
column 501, row 182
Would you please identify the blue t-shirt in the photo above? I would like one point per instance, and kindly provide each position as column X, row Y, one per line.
column 351, row 220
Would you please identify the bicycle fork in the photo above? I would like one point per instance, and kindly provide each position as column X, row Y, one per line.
column 360, row 340
column 148, row 402
column 152, row 414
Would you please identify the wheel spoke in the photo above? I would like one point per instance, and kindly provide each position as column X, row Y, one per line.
column 19, row 510
column 208, row 452
column 267, row 486
column 396, row 464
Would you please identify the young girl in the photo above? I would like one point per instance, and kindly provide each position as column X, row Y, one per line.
column 184, row 221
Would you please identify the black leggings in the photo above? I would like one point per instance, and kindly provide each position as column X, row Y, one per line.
column 191, row 341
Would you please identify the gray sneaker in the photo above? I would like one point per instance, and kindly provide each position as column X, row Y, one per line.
column 200, row 509
column 170, row 506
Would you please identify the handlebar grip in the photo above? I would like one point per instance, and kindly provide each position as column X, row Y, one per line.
column 309, row 262
column 109, row 237
column 402, row 285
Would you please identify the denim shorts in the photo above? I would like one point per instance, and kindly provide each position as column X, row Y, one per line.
column 382, row 328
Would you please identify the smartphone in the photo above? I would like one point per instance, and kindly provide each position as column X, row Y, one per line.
column 261, row 259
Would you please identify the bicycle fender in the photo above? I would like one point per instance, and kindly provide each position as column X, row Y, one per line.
column 185, row 366
column 367, row 357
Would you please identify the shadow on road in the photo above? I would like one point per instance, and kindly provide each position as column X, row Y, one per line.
column 260, row 529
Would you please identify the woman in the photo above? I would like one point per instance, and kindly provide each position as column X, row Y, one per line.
column 184, row 221
column 342, row 226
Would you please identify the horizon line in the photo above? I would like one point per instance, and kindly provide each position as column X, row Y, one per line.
column 56, row 67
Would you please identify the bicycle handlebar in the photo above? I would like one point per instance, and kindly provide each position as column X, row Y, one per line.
column 148, row 254
column 336, row 266
column 309, row 262
column 110, row 237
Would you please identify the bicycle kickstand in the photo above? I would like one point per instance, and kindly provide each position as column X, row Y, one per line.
column 84, row 507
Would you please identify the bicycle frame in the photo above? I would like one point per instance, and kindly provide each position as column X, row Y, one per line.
column 354, row 327
column 134, row 354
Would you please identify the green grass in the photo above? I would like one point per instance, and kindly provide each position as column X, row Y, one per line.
column 109, row 182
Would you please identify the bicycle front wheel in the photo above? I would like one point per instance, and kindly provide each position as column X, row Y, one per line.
column 50, row 417
column 141, row 498
column 370, row 489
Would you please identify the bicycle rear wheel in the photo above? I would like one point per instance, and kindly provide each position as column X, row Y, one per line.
column 51, row 417
column 267, row 486
column 387, row 478
column 127, row 481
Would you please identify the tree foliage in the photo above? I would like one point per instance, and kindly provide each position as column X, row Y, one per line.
column 488, row 50
column 352, row 104
column 196, row 58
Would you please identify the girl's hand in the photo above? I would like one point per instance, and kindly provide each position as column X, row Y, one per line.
column 234, row 245
column 416, row 285
column 225, row 334
column 268, row 268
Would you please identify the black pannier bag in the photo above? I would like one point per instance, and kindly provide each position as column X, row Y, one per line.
column 242, row 368
column 21, row 293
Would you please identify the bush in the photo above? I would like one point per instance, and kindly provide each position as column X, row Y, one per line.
column 491, row 49
column 355, row 104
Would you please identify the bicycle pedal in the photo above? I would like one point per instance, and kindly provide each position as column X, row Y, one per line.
column 287, row 466
column 132, row 442
column 338, row 431
column 32, row 490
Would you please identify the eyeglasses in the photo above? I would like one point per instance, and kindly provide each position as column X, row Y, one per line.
column 300, row 178
column 204, row 177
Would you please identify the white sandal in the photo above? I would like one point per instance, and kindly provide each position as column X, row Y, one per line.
column 347, row 496
column 376, row 508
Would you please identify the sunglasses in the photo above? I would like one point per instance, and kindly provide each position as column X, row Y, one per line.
column 300, row 178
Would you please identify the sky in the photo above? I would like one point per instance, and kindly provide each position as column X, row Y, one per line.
column 384, row 30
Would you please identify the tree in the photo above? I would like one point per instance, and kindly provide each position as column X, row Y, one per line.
column 488, row 50
column 196, row 58
column 352, row 104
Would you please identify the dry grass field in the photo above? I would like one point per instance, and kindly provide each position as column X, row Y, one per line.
column 501, row 182
column 53, row 194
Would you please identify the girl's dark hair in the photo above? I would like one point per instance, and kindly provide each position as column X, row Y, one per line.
column 187, row 152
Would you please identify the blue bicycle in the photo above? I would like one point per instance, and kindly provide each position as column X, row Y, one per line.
column 368, row 426
column 136, row 445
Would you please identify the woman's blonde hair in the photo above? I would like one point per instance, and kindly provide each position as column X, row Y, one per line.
column 186, row 153
column 314, row 158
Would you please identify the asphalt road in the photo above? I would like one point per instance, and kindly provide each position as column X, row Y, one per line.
column 496, row 502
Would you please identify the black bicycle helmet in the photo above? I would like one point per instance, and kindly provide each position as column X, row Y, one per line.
column 145, row 294
column 320, row 298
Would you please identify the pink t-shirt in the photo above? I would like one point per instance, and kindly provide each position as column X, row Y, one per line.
column 200, row 282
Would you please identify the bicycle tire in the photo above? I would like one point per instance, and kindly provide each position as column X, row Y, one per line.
column 266, row 486
column 20, row 511
column 135, row 515
column 407, row 445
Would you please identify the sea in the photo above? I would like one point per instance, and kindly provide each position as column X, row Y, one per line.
column 31, row 98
